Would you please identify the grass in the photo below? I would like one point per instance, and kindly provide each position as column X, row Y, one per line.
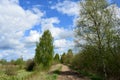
column 51, row 77
column 21, row 75
column 34, row 75
column 43, row 75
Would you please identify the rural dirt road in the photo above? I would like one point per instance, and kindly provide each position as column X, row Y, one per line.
column 67, row 74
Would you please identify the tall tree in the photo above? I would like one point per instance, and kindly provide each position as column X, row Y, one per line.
column 44, row 49
column 69, row 56
column 57, row 58
column 63, row 58
column 97, row 27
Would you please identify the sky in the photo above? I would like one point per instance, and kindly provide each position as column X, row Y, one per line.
column 22, row 22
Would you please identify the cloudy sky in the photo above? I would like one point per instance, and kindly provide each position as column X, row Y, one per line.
column 22, row 22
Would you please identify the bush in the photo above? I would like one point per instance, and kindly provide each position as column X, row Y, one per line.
column 30, row 65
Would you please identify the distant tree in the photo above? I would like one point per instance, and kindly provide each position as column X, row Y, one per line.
column 63, row 58
column 12, row 61
column 69, row 56
column 44, row 50
column 57, row 58
column 19, row 61
column 3, row 61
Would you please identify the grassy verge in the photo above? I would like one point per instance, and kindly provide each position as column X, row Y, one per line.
column 44, row 75
column 21, row 75
column 34, row 75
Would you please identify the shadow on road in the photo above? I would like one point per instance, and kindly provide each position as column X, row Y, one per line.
column 67, row 73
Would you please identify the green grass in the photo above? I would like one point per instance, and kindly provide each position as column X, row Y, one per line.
column 34, row 75
column 24, row 75
column 51, row 77
column 42, row 76
column 21, row 75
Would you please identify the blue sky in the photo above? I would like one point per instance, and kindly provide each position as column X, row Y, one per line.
column 22, row 22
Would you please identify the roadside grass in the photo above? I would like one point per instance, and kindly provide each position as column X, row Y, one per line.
column 21, row 75
column 46, row 75
column 33, row 75
column 42, row 76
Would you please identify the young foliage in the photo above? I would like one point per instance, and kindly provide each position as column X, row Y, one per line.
column 57, row 58
column 44, row 50
column 63, row 58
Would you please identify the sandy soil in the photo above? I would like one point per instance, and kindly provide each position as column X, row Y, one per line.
column 67, row 74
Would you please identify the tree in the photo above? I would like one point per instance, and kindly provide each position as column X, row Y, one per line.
column 97, row 27
column 63, row 58
column 69, row 56
column 3, row 61
column 57, row 58
column 19, row 61
column 44, row 50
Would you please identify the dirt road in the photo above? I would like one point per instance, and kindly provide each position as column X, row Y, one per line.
column 67, row 74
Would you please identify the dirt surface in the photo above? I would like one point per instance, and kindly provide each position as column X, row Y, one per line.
column 67, row 74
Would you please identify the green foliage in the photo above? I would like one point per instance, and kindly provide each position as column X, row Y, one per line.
column 63, row 58
column 44, row 50
column 97, row 27
column 67, row 58
column 3, row 61
column 21, row 75
column 51, row 77
column 56, row 58
column 30, row 65
column 19, row 61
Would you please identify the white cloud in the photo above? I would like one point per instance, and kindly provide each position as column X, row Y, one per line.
column 16, row 53
column 62, row 45
column 34, row 36
column 57, row 32
column 14, row 21
column 67, row 7
column 30, row 41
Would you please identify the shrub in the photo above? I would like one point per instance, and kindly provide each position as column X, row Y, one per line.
column 30, row 65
